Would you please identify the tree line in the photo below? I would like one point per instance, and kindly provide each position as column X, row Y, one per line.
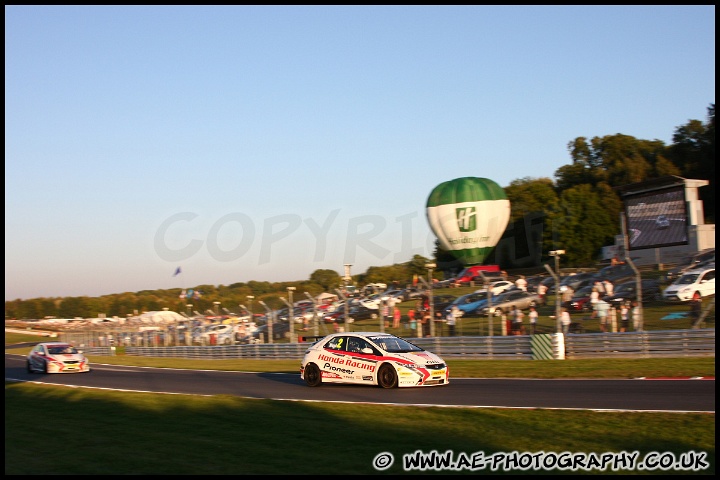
column 579, row 206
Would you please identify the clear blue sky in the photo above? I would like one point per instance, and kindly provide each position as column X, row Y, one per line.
column 264, row 143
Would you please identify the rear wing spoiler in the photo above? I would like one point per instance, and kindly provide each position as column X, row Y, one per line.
column 311, row 338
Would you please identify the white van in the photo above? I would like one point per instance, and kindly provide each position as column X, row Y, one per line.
column 692, row 284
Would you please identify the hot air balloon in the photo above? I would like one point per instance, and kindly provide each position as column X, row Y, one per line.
column 469, row 216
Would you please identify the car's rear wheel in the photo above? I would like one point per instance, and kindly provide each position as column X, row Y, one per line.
column 387, row 376
column 313, row 377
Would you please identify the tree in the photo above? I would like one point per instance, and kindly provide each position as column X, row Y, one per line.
column 583, row 224
column 326, row 278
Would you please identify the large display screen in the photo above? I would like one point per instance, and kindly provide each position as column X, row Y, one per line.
column 657, row 219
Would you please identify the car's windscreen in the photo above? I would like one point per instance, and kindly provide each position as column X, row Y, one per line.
column 65, row 349
column 687, row 279
column 395, row 344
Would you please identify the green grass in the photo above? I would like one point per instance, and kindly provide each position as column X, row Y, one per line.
column 59, row 431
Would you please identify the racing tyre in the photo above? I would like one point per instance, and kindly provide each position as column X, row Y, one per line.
column 313, row 376
column 387, row 377
column 29, row 368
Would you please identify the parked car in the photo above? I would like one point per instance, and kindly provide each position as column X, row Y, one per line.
column 217, row 335
column 413, row 293
column 497, row 287
column 626, row 293
column 549, row 282
column 534, row 281
column 469, row 304
column 506, row 301
column 397, row 294
column 371, row 358
column 692, row 284
column 356, row 312
column 280, row 329
column 56, row 357
column 578, row 280
column 616, row 273
column 580, row 302
column 442, row 301
column 691, row 262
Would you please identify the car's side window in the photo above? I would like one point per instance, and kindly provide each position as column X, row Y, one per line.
column 337, row 343
column 354, row 345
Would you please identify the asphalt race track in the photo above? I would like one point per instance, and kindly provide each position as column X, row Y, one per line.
column 668, row 395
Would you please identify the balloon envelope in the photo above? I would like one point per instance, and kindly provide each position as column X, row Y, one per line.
column 468, row 215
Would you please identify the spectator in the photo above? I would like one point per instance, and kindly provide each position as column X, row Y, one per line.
column 411, row 319
column 521, row 283
column 600, row 288
column 567, row 295
column 452, row 319
column 594, row 296
column 609, row 287
column 565, row 320
column 601, row 309
column 517, row 320
column 397, row 315
column 695, row 309
column 533, row 316
column 542, row 292
column 624, row 317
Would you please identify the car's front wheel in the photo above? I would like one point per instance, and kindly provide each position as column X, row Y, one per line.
column 29, row 367
column 387, row 377
column 313, row 377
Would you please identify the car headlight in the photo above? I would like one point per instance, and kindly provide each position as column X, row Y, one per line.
column 411, row 366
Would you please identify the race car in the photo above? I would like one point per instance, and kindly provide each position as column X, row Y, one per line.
column 56, row 357
column 371, row 358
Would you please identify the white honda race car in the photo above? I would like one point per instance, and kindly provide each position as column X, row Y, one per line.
column 371, row 358
column 56, row 357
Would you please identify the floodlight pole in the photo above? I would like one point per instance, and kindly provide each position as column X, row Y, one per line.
column 430, row 267
column 316, row 330
column 638, row 277
column 486, row 282
column 346, row 281
column 346, row 300
column 270, row 318
column 556, row 276
column 291, row 313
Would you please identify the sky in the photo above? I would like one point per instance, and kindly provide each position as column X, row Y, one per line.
column 240, row 143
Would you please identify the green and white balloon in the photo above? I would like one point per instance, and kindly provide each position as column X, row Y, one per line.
column 469, row 216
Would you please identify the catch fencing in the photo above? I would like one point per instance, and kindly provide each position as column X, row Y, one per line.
column 651, row 344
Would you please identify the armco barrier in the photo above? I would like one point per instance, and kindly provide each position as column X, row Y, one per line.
column 670, row 343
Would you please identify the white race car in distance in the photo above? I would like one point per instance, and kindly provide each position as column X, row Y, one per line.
column 371, row 358
column 56, row 357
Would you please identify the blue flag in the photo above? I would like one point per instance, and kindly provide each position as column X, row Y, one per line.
column 177, row 272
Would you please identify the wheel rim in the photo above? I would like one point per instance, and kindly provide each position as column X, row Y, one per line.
column 312, row 375
column 387, row 377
